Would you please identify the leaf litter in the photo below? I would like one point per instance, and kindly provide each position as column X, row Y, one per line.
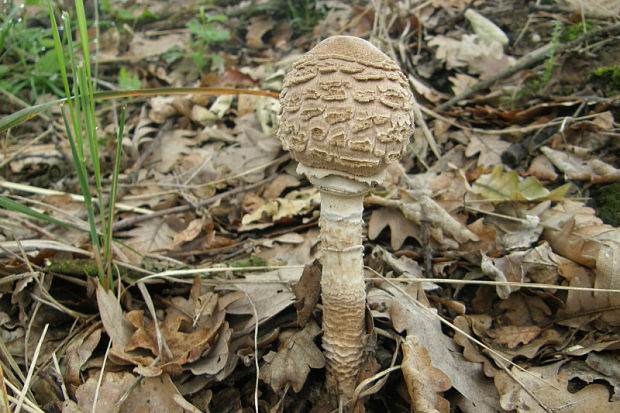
column 501, row 282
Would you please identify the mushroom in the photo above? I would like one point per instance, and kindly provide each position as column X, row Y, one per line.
column 345, row 115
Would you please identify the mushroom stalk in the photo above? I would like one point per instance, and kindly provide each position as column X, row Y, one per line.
column 343, row 290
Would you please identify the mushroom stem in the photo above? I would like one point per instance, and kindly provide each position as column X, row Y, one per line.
column 345, row 116
column 343, row 291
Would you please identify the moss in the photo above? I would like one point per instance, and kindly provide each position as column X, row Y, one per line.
column 570, row 33
column 607, row 78
column 606, row 202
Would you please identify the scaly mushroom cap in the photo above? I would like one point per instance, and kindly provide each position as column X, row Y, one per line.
column 346, row 107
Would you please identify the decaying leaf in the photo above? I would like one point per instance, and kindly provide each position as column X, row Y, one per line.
column 149, row 236
column 424, row 382
column 296, row 354
column 262, row 300
column 78, row 352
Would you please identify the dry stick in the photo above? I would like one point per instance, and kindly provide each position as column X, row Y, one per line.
column 29, row 405
column 60, row 377
column 182, row 208
column 22, row 394
column 5, row 398
column 100, row 378
column 417, row 111
column 529, row 60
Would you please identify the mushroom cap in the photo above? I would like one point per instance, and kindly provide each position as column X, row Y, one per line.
column 346, row 108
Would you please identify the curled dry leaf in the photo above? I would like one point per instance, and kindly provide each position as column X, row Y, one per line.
column 424, row 382
column 291, row 364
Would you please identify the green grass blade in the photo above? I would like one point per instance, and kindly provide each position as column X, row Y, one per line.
column 80, row 168
column 60, row 55
column 11, row 205
column 81, row 18
column 113, row 192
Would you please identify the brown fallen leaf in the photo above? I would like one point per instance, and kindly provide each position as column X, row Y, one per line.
column 550, row 387
column 400, row 227
column 512, row 336
column 307, row 291
column 489, row 147
column 296, row 354
column 471, row 351
column 188, row 234
column 466, row 377
column 424, row 382
column 78, row 353
column 154, row 395
column 184, row 347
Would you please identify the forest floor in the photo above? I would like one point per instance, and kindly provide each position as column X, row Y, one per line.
column 507, row 206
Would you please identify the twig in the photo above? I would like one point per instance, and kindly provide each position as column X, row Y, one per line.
column 182, row 208
column 529, row 60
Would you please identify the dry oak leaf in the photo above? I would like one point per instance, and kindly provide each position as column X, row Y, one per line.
column 154, row 395
column 400, row 227
column 466, row 377
column 490, row 148
column 181, row 347
column 512, row 336
column 550, row 387
column 425, row 208
column 296, row 354
column 424, row 382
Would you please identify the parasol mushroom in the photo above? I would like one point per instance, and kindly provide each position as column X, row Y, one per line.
column 346, row 114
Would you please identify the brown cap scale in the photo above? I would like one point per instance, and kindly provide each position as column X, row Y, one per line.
column 346, row 114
